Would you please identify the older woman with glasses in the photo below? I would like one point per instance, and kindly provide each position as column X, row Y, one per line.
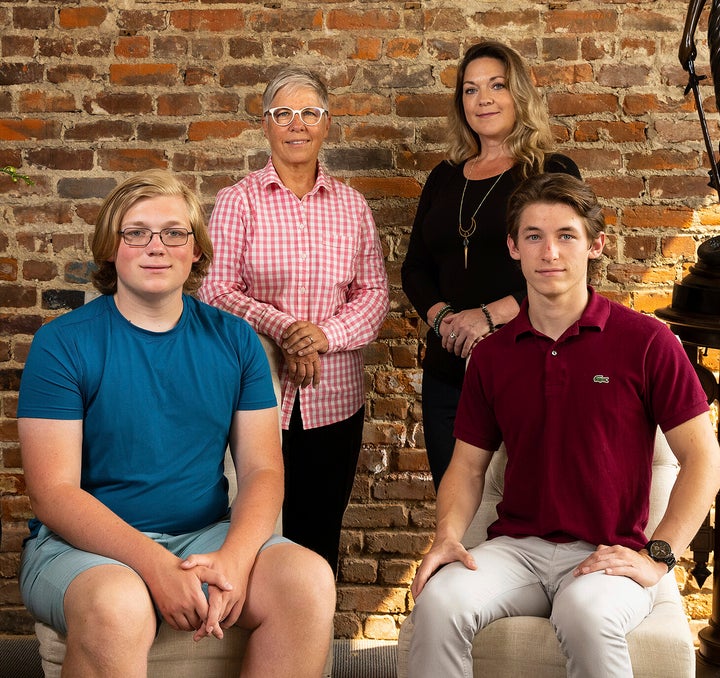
column 297, row 255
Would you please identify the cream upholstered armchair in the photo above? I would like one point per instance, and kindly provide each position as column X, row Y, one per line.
column 660, row 647
column 174, row 654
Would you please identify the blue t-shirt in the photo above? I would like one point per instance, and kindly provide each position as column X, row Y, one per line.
column 156, row 406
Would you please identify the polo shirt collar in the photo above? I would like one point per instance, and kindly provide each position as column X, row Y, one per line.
column 594, row 316
column 269, row 177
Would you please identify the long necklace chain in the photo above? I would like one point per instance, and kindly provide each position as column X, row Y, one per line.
column 466, row 233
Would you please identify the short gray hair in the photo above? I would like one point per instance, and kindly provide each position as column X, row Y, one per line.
column 295, row 77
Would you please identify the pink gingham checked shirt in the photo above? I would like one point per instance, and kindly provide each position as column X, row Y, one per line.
column 279, row 259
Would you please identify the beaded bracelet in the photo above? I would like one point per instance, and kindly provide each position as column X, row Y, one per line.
column 439, row 316
column 486, row 311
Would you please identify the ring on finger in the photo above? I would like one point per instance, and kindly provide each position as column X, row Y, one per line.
column 453, row 335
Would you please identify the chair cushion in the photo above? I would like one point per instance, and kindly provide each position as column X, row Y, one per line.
column 174, row 654
column 518, row 647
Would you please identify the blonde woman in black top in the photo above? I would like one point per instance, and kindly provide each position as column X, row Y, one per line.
column 458, row 273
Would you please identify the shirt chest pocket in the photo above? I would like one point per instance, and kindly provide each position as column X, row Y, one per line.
column 340, row 253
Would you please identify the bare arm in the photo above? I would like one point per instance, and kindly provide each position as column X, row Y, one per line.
column 696, row 448
column 471, row 325
column 459, row 496
column 257, row 455
column 51, row 453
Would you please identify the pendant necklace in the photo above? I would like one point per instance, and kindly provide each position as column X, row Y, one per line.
column 466, row 233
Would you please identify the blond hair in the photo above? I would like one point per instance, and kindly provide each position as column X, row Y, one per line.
column 531, row 139
column 149, row 184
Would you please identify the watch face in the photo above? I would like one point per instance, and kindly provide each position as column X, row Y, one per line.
column 660, row 549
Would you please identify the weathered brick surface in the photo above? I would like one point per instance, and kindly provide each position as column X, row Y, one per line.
column 90, row 92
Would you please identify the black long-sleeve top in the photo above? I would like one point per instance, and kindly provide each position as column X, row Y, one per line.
column 434, row 267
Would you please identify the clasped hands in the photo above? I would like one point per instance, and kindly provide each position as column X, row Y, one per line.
column 301, row 346
column 179, row 595
column 461, row 331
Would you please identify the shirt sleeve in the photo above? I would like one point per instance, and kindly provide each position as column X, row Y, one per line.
column 224, row 286
column 357, row 321
column 418, row 280
column 675, row 394
column 50, row 387
column 475, row 421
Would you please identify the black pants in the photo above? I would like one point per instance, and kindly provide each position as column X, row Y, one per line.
column 439, row 406
column 320, row 468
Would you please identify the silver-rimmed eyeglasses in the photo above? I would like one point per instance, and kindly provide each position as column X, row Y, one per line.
column 283, row 116
column 141, row 237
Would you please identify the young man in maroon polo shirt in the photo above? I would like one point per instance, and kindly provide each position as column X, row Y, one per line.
column 575, row 387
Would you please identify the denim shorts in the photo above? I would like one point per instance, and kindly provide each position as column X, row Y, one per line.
column 49, row 564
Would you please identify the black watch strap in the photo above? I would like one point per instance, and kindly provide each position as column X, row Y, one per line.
column 660, row 551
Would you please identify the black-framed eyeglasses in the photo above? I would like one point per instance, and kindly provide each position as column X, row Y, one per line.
column 283, row 115
column 141, row 237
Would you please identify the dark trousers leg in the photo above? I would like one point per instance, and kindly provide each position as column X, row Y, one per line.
column 320, row 468
column 439, row 406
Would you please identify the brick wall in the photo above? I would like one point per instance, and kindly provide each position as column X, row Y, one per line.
column 92, row 91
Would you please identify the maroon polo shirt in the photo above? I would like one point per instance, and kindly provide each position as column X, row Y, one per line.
column 578, row 418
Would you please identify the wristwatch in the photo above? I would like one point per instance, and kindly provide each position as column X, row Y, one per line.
column 661, row 552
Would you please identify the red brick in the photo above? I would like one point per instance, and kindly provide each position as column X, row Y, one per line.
column 131, row 159
column 128, row 103
column 28, row 129
column 141, row 20
column 143, row 74
column 611, row 131
column 56, row 47
column 656, row 216
column 82, row 17
column 624, row 76
column 649, row 302
column 61, row 158
column 562, row 103
column 678, row 247
column 491, row 18
column 221, row 129
column 37, row 101
column 367, row 49
column 383, row 187
column 582, row 21
column 285, row 21
column 643, row 104
column 669, row 188
column 16, row 45
column 662, row 159
column 640, row 247
column 345, row 20
column 20, row 73
column 403, row 48
column 548, row 75
column 33, row 17
column 8, row 269
column 424, row 105
column 100, row 129
column 627, row 274
column 133, row 47
column 70, row 73
column 220, row 20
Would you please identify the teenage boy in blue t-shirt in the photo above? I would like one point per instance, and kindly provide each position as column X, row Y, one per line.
column 126, row 408
column 575, row 386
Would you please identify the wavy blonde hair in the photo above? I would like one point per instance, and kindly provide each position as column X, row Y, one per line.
column 149, row 184
column 531, row 139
